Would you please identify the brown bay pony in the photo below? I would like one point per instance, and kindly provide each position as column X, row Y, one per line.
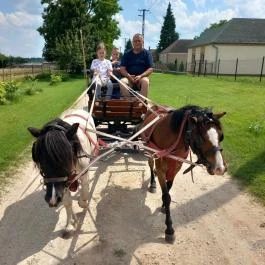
column 177, row 131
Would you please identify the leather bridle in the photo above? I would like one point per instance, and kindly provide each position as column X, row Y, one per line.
column 195, row 143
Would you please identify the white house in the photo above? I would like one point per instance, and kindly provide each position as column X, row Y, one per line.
column 238, row 45
column 176, row 52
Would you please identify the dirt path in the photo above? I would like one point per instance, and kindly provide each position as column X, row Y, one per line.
column 215, row 222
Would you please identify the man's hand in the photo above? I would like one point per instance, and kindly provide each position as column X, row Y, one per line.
column 137, row 78
column 131, row 78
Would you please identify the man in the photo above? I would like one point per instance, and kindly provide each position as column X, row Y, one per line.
column 136, row 66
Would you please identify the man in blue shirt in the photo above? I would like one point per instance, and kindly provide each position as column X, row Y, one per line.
column 136, row 66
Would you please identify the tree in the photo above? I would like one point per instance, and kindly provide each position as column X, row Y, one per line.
column 168, row 34
column 68, row 52
column 128, row 45
column 63, row 20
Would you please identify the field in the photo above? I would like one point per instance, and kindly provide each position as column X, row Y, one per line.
column 7, row 74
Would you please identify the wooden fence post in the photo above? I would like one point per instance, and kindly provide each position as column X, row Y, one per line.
column 261, row 68
column 236, row 68
column 199, row 69
column 194, row 69
column 205, row 65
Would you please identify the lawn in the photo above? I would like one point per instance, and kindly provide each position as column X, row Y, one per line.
column 244, row 124
column 32, row 110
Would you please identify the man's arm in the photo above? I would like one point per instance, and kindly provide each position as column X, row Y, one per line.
column 126, row 74
column 147, row 72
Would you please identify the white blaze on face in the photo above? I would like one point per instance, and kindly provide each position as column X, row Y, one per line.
column 53, row 198
column 213, row 137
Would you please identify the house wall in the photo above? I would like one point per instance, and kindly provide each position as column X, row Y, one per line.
column 170, row 58
column 249, row 58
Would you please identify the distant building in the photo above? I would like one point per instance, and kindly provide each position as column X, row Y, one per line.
column 218, row 49
column 175, row 53
column 154, row 54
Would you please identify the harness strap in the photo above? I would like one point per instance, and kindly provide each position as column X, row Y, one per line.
column 172, row 149
column 84, row 130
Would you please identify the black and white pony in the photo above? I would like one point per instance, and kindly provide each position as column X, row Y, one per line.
column 62, row 149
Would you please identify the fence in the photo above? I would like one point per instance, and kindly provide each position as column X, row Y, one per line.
column 177, row 68
column 11, row 73
column 254, row 67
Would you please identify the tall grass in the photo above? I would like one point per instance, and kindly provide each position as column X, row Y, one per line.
column 244, row 124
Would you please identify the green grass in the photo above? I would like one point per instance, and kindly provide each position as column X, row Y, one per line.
column 33, row 111
column 244, row 124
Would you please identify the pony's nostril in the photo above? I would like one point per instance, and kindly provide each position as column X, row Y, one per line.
column 219, row 171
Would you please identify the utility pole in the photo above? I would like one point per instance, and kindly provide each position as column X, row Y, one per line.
column 125, row 42
column 143, row 15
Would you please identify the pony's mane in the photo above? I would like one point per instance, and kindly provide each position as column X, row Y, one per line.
column 53, row 151
column 178, row 115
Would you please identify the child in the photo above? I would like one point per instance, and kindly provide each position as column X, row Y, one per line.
column 103, row 68
column 115, row 61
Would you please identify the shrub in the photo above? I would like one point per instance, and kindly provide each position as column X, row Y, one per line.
column 29, row 91
column 29, row 78
column 2, row 94
column 171, row 67
column 44, row 76
column 32, row 88
column 11, row 90
column 181, row 67
column 65, row 77
column 55, row 79
column 8, row 92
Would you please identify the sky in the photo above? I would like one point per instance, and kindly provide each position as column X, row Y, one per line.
column 19, row 20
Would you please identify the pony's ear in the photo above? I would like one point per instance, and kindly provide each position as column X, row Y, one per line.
column 219, row 115
column 72, row 131
column 34, row 131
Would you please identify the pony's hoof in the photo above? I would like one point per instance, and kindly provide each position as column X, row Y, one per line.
column 170, row 238
column 69, row 231
column 152, row 189
column 83, row 204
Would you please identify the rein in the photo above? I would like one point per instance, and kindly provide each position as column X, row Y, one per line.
column 172, row 149
column 71, row 182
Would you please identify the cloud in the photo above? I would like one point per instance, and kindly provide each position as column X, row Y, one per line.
column 199, row 3
column 19, row 36
column 28, row 6
column 130, row 27
column 247, row 8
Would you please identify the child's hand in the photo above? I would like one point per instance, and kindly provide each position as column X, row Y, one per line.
column 109, row 72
